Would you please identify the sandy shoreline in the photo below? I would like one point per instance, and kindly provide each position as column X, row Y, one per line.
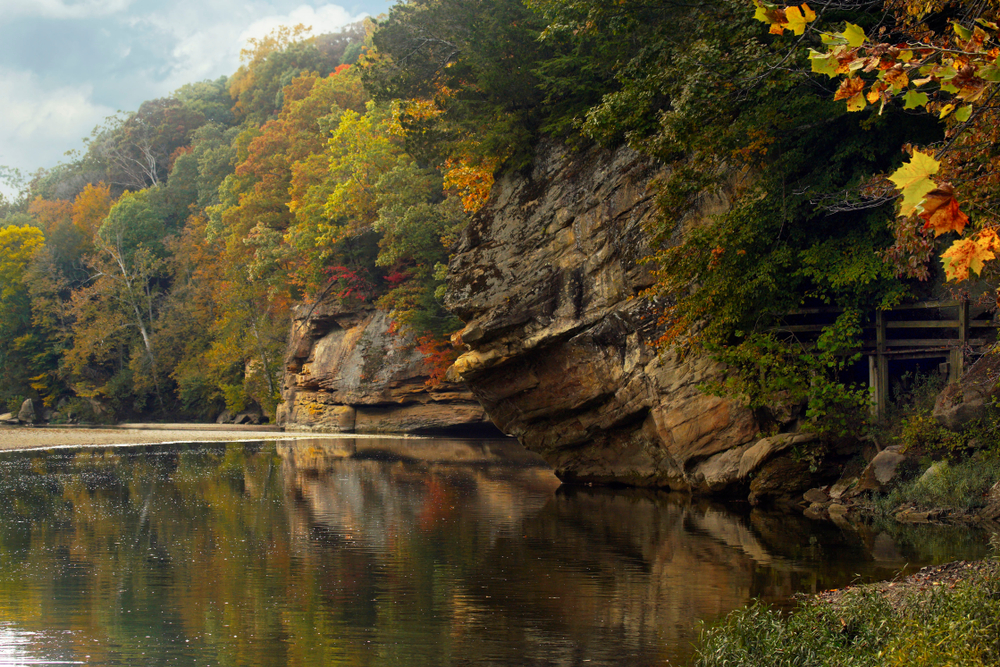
column 26, row 437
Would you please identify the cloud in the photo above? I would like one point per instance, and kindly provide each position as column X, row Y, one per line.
column 214, row 49
column 327, row 18
column 42, row 123
column 68, row 64
column 57, row 9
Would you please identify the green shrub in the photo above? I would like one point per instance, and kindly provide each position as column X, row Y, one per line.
column 962, row 486
column 955, row 627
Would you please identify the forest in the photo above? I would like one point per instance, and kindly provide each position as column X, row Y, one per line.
column 153, row 274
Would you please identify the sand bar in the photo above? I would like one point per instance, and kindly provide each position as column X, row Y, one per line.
column 44, row 437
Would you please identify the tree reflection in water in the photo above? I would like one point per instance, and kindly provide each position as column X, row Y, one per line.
column 386, row 552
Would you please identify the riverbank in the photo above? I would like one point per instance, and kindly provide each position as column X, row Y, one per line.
column 45, row 437
column 944, row 615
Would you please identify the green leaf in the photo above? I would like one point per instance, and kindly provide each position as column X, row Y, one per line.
column 964, row 113
column 854, row 35
column 962, row 32
column 913, row 100
column 914, row 181
column 823, row 63
column 989, row 73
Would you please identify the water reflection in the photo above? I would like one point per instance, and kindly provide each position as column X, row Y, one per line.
column 387, row 552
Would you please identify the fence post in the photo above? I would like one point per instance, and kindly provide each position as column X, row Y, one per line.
column 957, row 368
column 881, row 366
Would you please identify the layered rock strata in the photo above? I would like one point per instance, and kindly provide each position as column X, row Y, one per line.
column 560, row 348
column 348, row 371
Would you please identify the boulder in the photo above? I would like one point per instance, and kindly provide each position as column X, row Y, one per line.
column 816, row 496
column 248, row 417
column 883, row 470
column 848, row 479
column 27, row 412
column 957, row 406
column 225, row 417
column 7, row 418
column 992, row 509
column 967, row 400
column 780, row 481
column 767, row 448
column 349, row 369
column 934, row 472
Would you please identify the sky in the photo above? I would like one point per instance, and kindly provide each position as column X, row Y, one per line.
column 66, row 65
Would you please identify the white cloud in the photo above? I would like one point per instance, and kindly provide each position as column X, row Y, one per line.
column 58, row 9
column 41, row 123
column 327, row 18
column 214, row 49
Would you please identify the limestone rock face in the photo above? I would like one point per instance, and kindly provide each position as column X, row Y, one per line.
column 348, row 371
column 560, row 351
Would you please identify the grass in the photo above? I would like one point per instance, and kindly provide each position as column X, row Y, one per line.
column 958, row 627
column 961, row 485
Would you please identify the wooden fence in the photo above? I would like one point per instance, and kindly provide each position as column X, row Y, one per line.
column 922, row 330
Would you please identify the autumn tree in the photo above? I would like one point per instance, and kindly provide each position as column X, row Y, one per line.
column 136, row 147
column 122, row 296
column 18, row 244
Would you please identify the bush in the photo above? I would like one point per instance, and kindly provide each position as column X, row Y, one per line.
column 955, row 627
column 961, row 486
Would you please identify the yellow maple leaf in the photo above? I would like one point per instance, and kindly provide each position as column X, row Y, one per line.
column 914, row 181
column 798, row 18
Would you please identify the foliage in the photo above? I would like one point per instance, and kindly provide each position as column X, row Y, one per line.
column 953, row 626
column 960, row 485
column 940, row 57
column 767, row 373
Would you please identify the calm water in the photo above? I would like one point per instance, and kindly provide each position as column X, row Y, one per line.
column 387, row 552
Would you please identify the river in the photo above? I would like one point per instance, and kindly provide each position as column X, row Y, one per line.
column 390, row 552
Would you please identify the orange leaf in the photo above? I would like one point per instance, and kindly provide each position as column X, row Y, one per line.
column 989, row 240
column 940, row 211
column 965, row 255
column 849, row 88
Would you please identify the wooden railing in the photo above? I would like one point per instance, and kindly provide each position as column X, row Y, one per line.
column 921, row 330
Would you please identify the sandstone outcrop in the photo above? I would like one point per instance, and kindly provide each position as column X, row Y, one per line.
column 560, row 349
column 348, row 371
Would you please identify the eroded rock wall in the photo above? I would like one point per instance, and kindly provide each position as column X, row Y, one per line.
column 348, row 371
column 559, row 346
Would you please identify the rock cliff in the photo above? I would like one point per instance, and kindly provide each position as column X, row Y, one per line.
column 347, row 371
column 559, row 346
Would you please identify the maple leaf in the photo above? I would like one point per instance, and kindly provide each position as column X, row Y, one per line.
column 967, row 255
column 849, row 88
column 896, row 78
column 912, row 99
column 988, row 239
column 823, row 63
column 940, row 212
column 798, row 18
column 855, row 35
column 913, row 180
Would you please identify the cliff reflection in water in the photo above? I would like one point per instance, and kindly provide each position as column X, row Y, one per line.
column 385, row 552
